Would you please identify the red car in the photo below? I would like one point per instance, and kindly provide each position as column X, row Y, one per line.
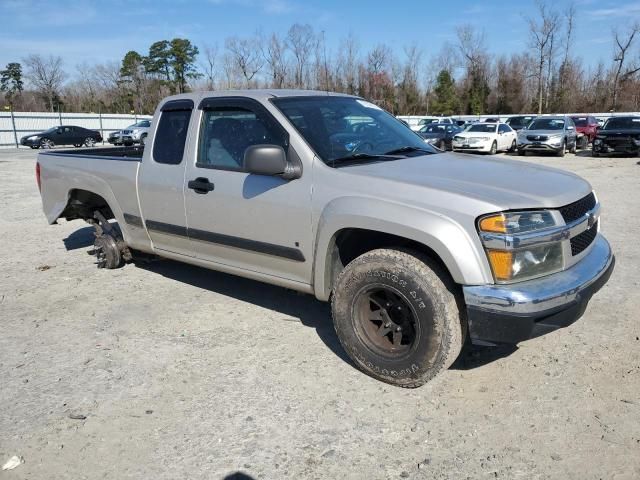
column 588, row 127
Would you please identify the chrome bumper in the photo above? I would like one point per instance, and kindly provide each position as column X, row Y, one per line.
column 514, row 312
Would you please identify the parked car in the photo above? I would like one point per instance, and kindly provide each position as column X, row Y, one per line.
column 414, row 247
column 518, row 122
column 136, row 133
column 63, row 135
column 428, row 120
column 485, row 137
column 439, row 134
column 555, row 134
column 586, row 128
column 618, row 135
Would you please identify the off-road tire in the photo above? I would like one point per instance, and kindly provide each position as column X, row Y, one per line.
column 429, row 293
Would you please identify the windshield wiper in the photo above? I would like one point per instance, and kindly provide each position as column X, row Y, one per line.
column 407, row 149
column 361, row 156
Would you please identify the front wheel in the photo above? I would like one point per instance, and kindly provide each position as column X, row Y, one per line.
column 46, row 143
column 494, row 148
column 143, row 140
column 563, row 149
column 90, row 142
column 396, row 316
column 513, row 147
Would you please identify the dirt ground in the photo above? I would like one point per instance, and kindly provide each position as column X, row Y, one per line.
column 172, row 371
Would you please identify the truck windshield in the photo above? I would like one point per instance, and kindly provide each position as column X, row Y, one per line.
column 347, row 127
column 622, row 123
column 547, row 124
column 483, row 127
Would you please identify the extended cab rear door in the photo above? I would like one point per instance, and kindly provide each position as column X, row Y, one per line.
column 246, row 221
column 161, row 180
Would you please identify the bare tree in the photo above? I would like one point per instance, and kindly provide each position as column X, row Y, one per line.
column 209, row 64
column 301, row 40
column 46, row 75
column 246, row 56
column 274, row 52
column 542, row 30
column 348, row 62
column 622, row 46
column 379, row 59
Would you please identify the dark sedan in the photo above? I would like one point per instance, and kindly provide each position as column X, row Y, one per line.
column 62, row 135
column 519, row 122
column 439, row 134
column 619, row 135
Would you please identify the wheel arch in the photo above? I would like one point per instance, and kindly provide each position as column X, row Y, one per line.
column 348, row 228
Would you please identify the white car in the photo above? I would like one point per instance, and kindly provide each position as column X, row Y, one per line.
column 486, row 137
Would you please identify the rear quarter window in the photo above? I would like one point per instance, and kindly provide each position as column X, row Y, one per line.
column 171, row 135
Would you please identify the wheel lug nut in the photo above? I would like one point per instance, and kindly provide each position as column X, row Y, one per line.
column 398, row 329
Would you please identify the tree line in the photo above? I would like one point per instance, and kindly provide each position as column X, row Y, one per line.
column 462, row 77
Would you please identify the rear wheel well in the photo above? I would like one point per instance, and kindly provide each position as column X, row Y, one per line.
column 83, row 204
column 350, row 243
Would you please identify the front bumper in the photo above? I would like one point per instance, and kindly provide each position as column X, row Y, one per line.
column 473, row 147
column 539, row 146
column 516, row 312
column 605, row 147
column 29, row 143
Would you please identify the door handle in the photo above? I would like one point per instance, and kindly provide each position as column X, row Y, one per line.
column 201, row 185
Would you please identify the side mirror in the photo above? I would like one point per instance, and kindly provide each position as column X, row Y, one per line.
column 265, row 160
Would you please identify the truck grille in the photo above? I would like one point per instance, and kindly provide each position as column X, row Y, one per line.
column 537, row 138
column 581, row 241
column 575, row 210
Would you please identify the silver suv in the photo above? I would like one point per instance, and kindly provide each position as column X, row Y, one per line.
column 136, row 133
column 548, row 134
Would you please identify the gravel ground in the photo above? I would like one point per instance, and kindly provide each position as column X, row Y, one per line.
column 167, row 371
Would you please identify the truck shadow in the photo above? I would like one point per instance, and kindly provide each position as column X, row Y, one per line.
column 297, row 306
column 475, row 356
column 81, row 238
column 310, row 312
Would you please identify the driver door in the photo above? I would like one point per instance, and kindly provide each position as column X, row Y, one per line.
column 241, row 220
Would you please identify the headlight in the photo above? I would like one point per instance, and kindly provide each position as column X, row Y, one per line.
column 457, row 138
column 502, row 236
column 33, row 137
column 597, row 141
column 431, row 140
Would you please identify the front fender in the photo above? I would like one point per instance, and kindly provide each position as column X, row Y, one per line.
column 461, row 253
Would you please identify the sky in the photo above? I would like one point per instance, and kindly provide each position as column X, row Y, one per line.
column 96, row 32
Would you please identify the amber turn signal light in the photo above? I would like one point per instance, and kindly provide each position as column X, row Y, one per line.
column 501, row 264
column 494, row 223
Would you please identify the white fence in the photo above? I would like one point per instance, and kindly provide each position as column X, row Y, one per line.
column 15, row 125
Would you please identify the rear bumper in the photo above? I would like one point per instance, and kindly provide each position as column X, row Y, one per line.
column 513, row 313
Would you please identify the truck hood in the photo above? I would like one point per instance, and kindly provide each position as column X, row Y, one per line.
column 505, row 184
column 619, row 133
column 548, row 133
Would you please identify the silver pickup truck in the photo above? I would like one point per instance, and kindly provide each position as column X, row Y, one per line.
column 328, row 194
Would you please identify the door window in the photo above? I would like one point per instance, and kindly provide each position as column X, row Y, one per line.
column 227, row 132
column 168, row 146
